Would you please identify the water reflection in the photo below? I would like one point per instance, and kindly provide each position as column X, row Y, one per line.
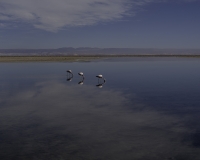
column 99, row 85
column 57, row 121
column 69, row 79
column 81, row 82
column 154, row 115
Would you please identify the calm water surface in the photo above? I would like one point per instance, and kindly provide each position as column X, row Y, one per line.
column 148, row 109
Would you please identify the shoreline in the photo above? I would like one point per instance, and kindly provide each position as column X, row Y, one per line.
column 82, row 58
column 46, row 58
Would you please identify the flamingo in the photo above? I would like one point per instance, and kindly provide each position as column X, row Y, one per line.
column 81, row 74
column 70, row 72
column 69, row 75
column 101, row 76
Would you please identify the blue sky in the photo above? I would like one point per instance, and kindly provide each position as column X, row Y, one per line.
column 100, row 23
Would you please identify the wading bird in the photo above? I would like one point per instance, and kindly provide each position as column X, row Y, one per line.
column 69, row 75
column 100, row 84
column 69, row 72
column 81, row 74
column 101, row 77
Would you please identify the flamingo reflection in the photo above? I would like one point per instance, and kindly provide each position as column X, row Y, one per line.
column 69, row 79
column 81, row 82
column 99, row 85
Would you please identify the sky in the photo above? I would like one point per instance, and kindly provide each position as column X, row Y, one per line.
column 40, row 24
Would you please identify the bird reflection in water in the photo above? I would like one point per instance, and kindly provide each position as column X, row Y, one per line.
column 69, row 79
column 69, row 75
column 81, row 82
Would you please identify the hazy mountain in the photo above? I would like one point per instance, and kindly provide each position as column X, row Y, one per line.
column 96, row 51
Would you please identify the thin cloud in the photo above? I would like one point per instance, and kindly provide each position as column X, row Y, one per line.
column 2, row 25
column 53, row 15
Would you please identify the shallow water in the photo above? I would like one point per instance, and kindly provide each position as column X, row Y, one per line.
column 149, row 108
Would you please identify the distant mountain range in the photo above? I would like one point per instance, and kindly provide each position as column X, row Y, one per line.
column 69, row 51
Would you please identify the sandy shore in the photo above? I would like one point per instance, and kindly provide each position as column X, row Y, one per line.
column 77, row 58
column 45, row 58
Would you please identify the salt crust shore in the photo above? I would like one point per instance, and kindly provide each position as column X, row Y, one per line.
column 77, row 58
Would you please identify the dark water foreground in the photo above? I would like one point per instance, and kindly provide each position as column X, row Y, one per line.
column 148, row 109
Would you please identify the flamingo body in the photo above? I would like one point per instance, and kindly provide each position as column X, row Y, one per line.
column 69, row 71
column 99, row 76
column 80, row 73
